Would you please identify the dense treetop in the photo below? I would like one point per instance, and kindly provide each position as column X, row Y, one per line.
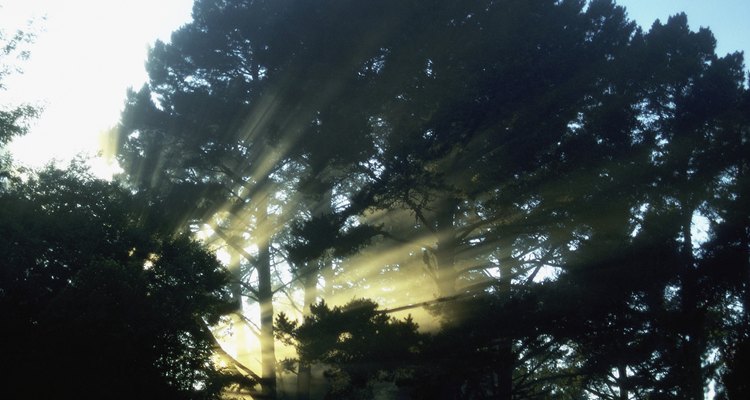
column 541, row 163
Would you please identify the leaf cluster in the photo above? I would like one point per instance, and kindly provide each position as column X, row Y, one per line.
column 357, row 342
column 97, row 305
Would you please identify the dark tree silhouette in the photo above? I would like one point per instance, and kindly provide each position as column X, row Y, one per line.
column 97, row 305
column 498, row 144
column 357, row 342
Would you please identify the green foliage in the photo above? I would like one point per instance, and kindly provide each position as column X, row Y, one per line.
column 358, row 344
column 314, row 238
column 500, row 140
column 95, row 304
column 13, row 119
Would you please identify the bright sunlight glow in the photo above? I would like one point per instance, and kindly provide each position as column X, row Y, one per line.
column 86, row 54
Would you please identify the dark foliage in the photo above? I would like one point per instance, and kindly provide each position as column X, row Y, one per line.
column 358, row 343
column 96, row 306
column 502, row 141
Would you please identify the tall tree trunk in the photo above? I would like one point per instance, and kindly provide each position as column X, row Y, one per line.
column 311, row 273
column 267, row 344
column 235, row 271
column 743, row 199
column 304, row 373
column 693, row 380
column 622, row 371
column 505, row 345
column 446, row 247
column 745, row 254
column 265, row 300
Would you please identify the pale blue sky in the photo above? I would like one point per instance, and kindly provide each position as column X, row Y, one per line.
column 729, row 20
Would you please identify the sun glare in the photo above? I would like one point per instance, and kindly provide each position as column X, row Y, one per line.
column 85, row 55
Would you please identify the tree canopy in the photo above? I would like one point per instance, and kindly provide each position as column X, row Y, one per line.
column 540, row 167
column 559, row 197
column 95, row 304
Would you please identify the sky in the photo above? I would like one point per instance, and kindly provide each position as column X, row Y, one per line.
column 88, row 52
column 728, row 19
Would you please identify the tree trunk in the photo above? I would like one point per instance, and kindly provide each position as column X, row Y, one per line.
column 505, row 346
column 744, row 230
column 311, row 274
column 267, row 344
column 622, row 370
column 693, row 380
column 265, row 300
column 745, row 243
column 446, row 247
column 235, row 271
column 304, row 373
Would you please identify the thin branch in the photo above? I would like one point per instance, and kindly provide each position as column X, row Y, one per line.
column 249, row 323
column 467, row 230
column 544, row 261
column 220, row 350
column 439, row 300
column 234, row 244
column 291, row 301
column 597, row 393
column 534, row 274
column 254, row 292
column 418, row 212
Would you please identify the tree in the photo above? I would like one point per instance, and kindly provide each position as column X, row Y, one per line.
column 13, row 119
column 485, row 145
column 464, row 148
column 685, row 104
column 237, row 98
column 358, row 343
column 99, row 305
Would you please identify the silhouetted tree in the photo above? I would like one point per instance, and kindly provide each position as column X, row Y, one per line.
column 358, row 343
column 97, row 305
column 495, row 143
column 13, row 118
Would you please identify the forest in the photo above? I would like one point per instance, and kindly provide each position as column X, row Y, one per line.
column 394, row 199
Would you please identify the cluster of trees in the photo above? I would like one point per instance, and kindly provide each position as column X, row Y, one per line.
column 532, row 172
column 538, row 168
column 97, row 304
column 98, row 299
